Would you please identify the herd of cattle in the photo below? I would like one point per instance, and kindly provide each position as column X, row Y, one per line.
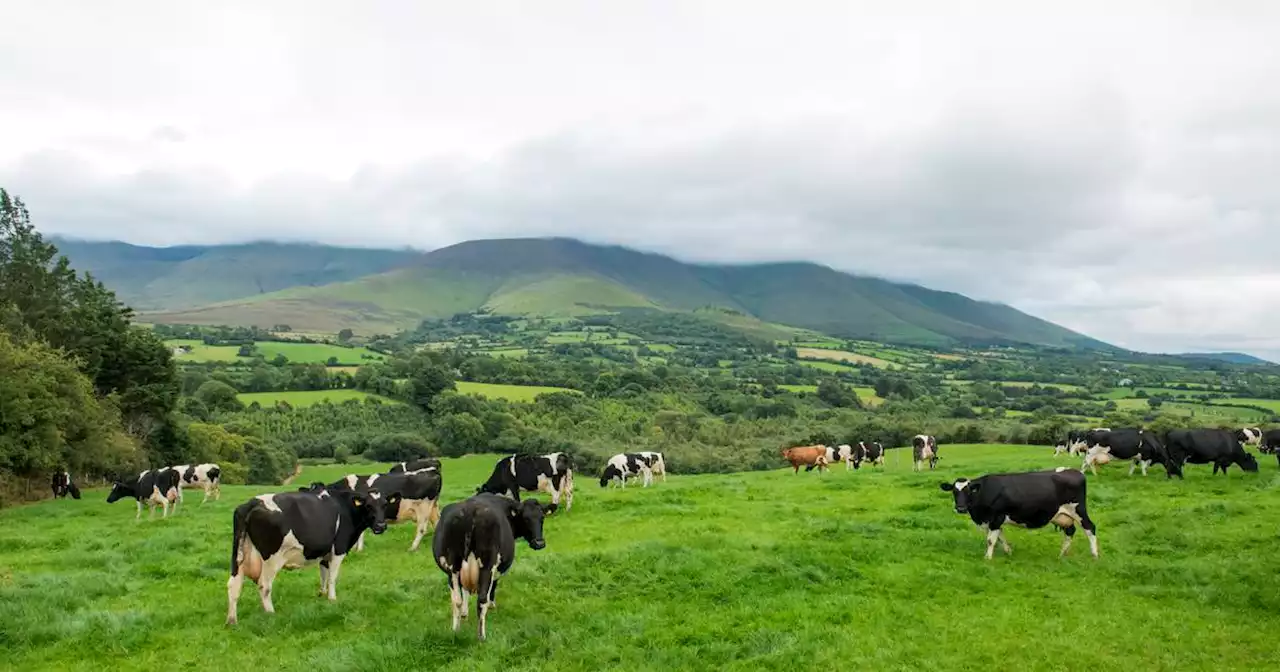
column 475, row 539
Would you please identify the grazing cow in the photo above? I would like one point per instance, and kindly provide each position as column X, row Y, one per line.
column 809, row 456
column 551, row 473
column 476, row 544
column 622, row 465
column 1105, row 445
column 1270, row 442
column 415, row 465
column 295, row 529
column 1074, row 444
column 924, row 448
column 1031, row 499
column 844, row 452
column 1218, row 447
column 63, row 486
column 156, row 488
column 417, row 497
column 207, row 476
column 655, row 462
column 871, row 453
column 1249, row 436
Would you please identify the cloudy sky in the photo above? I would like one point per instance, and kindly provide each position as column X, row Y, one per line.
column 1114, row 167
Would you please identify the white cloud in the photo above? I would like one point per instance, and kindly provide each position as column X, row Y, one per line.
column 1110, row 170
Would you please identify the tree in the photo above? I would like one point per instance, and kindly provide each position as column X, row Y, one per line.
column 1154, row 402
column 838, row 395
column 219, row 396
column 426, row 380
column 345, row 336
column 460, row 433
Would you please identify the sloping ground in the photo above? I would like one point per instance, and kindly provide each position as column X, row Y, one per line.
column 556, row 277
column 764, row 570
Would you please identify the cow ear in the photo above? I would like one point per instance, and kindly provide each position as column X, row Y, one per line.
column 357, row 500
column 946, row 487
column 550, row 508
column 974, row 486
column 394, row 499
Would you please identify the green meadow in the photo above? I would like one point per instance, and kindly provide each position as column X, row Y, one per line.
column 302, row 399
column 870, row 569
column 299, row 353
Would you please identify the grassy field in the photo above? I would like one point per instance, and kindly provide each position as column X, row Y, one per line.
column 1271, row 404
column 765, row 570
column 841, row 356
column 1210, row 414
column 308, row 398
column 508, row 392
column 300, row 353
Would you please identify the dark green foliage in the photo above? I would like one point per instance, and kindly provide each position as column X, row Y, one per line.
column 838, row 395
column 269, row 463
column 398, row 448
column 218, row 396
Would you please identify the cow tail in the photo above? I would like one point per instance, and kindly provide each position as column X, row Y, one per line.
column 239, row 523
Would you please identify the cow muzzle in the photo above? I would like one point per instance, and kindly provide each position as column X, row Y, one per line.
column 379, row 528
column 537, row 544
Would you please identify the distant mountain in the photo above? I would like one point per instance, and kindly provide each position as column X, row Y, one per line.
column 546, row 277
column 169, row 278
column 1228, row 357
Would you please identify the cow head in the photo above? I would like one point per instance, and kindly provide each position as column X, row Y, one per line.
column 1247, row 461
column 371, row 508
column 610, row 472
column 526, row 521
column 964, row 491
column 119, row 491
column 316, row 487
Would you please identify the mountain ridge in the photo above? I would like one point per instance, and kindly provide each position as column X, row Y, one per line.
column 558, row 277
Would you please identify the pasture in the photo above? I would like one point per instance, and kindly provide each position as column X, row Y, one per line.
column 841, row 356
column 763, row 570
column 298, row 353
column 508, row 392
column 302, row 399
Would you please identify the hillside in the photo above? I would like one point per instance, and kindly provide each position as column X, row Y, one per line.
column 560, row 277
column 150, row 278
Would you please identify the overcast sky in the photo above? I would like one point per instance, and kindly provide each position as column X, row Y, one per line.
column 1114, row 167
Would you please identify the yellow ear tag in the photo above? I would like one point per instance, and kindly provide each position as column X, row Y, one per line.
column 356, row 502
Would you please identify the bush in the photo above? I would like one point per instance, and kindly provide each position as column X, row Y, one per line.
column 269, row 464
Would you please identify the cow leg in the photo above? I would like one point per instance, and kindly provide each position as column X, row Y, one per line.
column 139, row 514
column 270, row 567
column 456, row 598
column 1145, row 465
column 360, row 542
column 334, row 566
column 1004, row 543
column 1068, row 532
column 993, row 535
column 484, row 587
column 424, row 521
column 1134, row 466
column 648, row 477
column 324, row 575
column 207, row 490
column 233, row 595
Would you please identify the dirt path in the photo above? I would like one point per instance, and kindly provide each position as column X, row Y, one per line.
column 296, row 472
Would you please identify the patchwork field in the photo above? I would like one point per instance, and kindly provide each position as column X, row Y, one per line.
column 309, row 398
column 765, row 570
column 841, row 356
column 508, row 392
column 300, row 353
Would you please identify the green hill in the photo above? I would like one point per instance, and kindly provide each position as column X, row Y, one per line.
column 561, row 277
column 150, row 278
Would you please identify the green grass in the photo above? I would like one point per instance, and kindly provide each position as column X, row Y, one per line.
column 308, row 398
column 1186, row 409
column 299, row 353
column 1270, row 404
column 743, row 571
column 824, row 366
column 799, row 388
column 508, row 392
column 513, row 353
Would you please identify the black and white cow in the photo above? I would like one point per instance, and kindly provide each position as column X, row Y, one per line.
column 1270, row 442
column 1128, row 443
column 417, row 497
column 155, row 487
column 1030, row 499
column 656, row 463
column 551, row 473
column 1218, row 447
column 871, row 453
column 475, row 545
column 1076, row 442
column 63, row 485
column 207, row 477
column 415, row 465
column 1249, row 436
column 622, row 465
column 924, row 448
column 295, row 529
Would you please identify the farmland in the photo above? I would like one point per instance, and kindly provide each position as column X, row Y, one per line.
column 301, row 353
column 307, row 398
column 744, row 557
column 508, row 392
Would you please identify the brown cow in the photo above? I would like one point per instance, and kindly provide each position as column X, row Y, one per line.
column 809, row 456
